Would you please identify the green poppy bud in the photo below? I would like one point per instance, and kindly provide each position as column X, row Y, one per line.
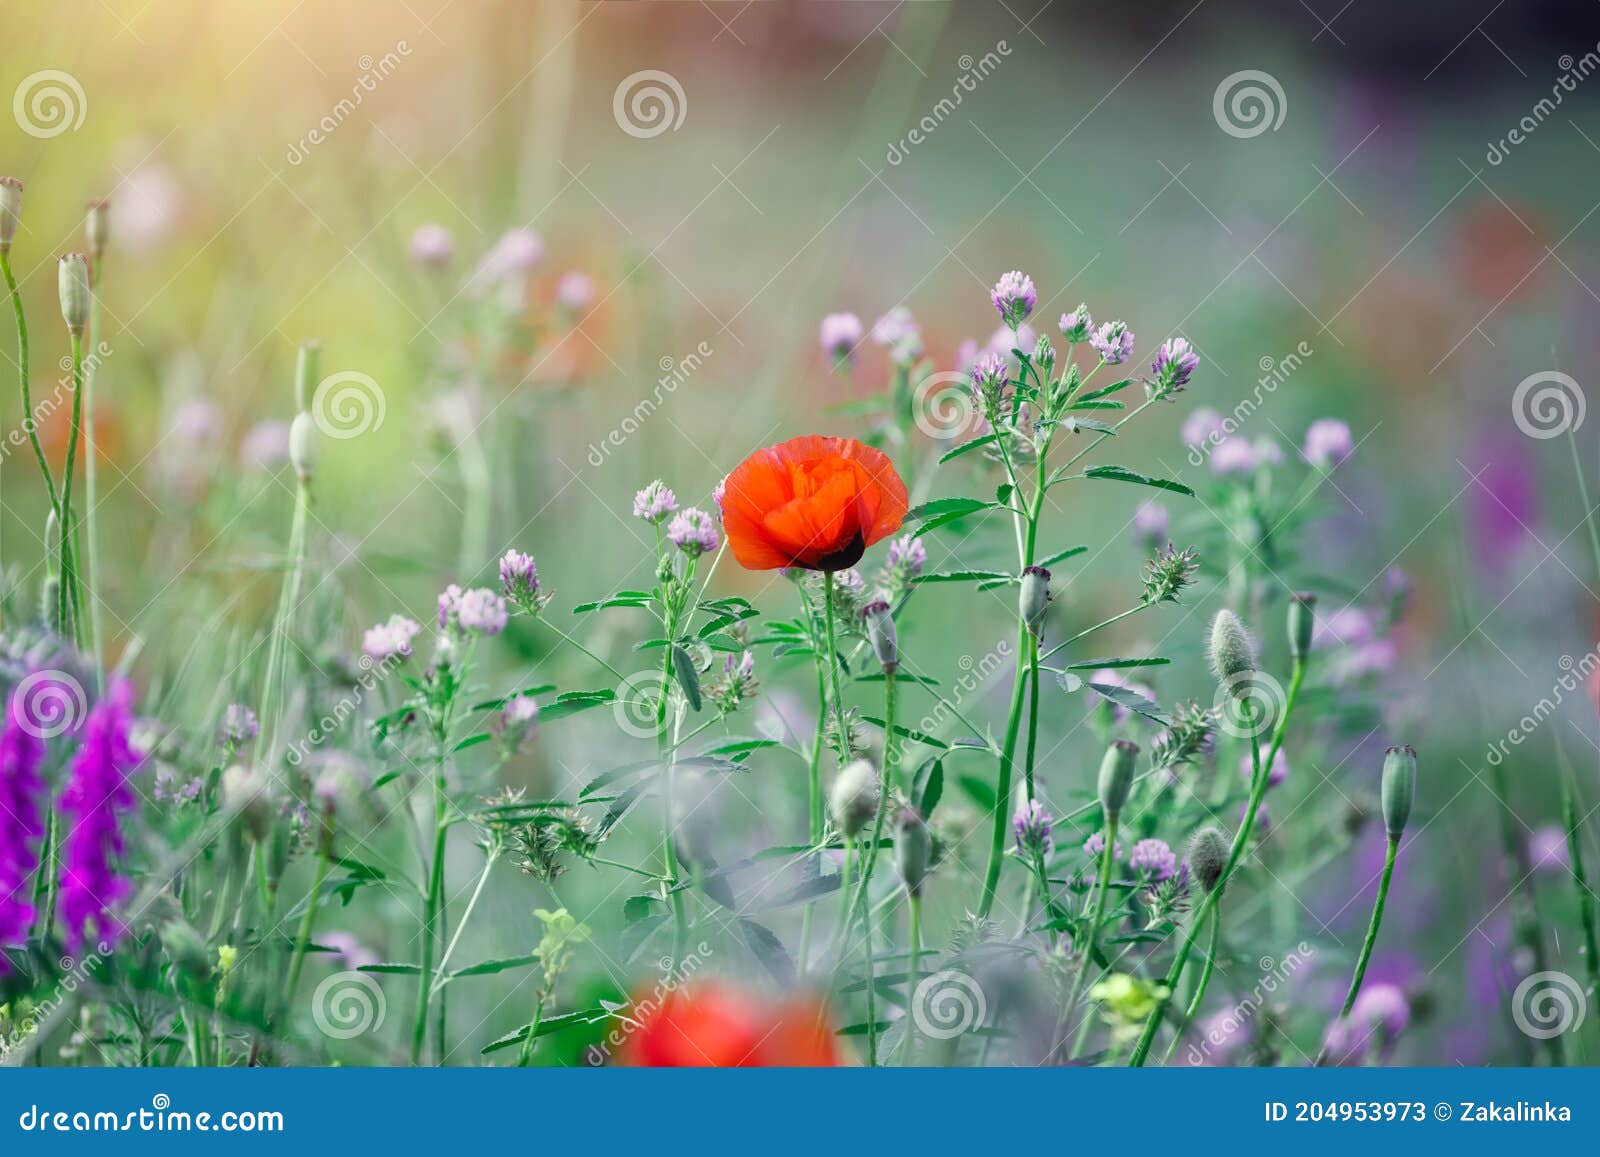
column 73, row 281
column 913, row 851
column 10, row 211
column 1233, row 651
column 307, row 367
column 1302, row 617
column 1208, row 856
column 853, row 799
column 303, row 445
column 879, row 624
column 1035, row 598
column 97, row 227
column 1399, row 787
column 1116, row 775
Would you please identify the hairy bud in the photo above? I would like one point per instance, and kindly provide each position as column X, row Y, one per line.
column 1232, row 652
column 913, row 851
column 1208, row 856
column 853, row 799
column 1302, row 617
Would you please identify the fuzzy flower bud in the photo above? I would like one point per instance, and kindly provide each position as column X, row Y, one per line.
column 303, row 445
column 654, row 502
column 853, row 799
column 1014, row 297
column 10, row 211
column 519, row 578
column 1044, row 356
column 73, row 281
column 1116, row 776
column 1232, row 652
column 97, row 227
column 1399, row 787
column 1208, row 856
column 694, row 532
column 1302, row 618
column 913, row 851
column 879, row 623
column 1035, row 598
column 1076, row 326
column 1113, row 341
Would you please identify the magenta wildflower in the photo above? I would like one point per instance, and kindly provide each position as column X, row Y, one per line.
column 239, row 725
column 990, row 374
column 393, row 638
column 1268, row 452
column 574, row 291
column 908, row 556
column 519, row 578
column 1328, row 443
column 1150, row 524
column 517, row 719
column 895, row 328
column 1014, row 297
column 481, row 610
column 1203, row 426
column 1096, row 844
column 654, row 502
column 1154, row 860
column 97, row 793
column 1233, row 456
column 1378, row 1017
column 694, row 532
column 516, row 254
column 1033, row 824
column 21, row 826
column 1547, row 850
column 432, row 246
column 839, row 334
column 1113, row 341
column 1076, row 326
column 1175, row 363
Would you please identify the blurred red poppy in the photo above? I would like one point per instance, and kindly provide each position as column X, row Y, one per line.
column 712, row 1026
column 811, row 502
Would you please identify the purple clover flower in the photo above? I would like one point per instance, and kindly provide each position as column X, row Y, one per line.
column 654, row 502
column 1113, row 341
column 1328, row 443
column 21, row 826
column 1096, row 844
column 97, row 793
column 1203, row 426
column 1033, row 824
column 1175, row 363
column 1014, row 297
column 519, row 578
column 390, row 639
column 1153, row 859
column 990, row 375
column 432, row 246
column 481, row 610
column 896, row 328
column 574, row 291
column 839, row 334
column 239, row 725
column 1547, row 850
column 1150, row 524
column 694, row 532
column 1077, row 325
column 908, row 556
column 1233, row 456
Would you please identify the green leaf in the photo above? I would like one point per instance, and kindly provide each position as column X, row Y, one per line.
column 1073, row 425
column 688, row 677
column 741, row 747
column 633, row 599
column 931, row 791
column 1107, row 391
column 547, row 1025
column 1060, row 555
column 966, row 447
column 575, row 701
column 1133, row 701
column 394, row 969
column 1123, row 474
column 908, row 733
column 966, row 576
column 979, row 790
column 768, row 949
column 1113, row 664
column 940, row 511
column 490, row 967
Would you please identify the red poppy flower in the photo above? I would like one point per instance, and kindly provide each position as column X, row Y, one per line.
column 811, row 502
column 711, row 1026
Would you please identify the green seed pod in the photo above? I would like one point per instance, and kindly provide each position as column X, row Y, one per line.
column 1233, row 651
column 1399, row 787
column 1208, row 855
column 1116, row 776
column 97, row 227
column 1302, row 617
column 307, row 367
column 879, row 624
column 913, row 851
column 853, row 799
column 10, row 211
column 72, row 278
column 1035, row 598
column 303, row 445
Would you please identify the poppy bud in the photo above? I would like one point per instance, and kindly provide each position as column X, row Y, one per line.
column 1116, row 776
column 10, row 211
column 1302, row 617
column 854, row 797
column 303, row 445
column 1399, row 787
column 1035, row 598
column 308, row 364
column 1208, row 856
column 879, row 623
column 1233, row 651
column 97, row 227
column 913, row 851
column 73, row 281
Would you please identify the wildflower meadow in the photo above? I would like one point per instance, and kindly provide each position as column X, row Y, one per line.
column 805, row 535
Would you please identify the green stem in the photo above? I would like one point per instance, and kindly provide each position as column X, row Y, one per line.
column 911, row 977
column 1200, row 988
column 430, row 915
column 22, row 374
column 525, row 1053
column 1033, row 712
column 1586, row 903
column 272, row 695
column 843, row 738
column 71, row 595
column 891, row 773
column 461, row 925
column 90, row 491
column 308, row 920
column 1091, row 935
column 1371, row 938
column 1002, row 790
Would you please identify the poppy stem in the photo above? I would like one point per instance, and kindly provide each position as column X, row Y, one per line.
column 843, row 737
column 1371, row 939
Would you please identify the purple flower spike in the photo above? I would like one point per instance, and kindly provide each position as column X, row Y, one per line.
column 1077, row 325
column 481, row 610
column 239, row 725
column 519, row 578
column 1150, row 524
column 391, row 639
column 1154, row 860
column 432, row 245
column 574, row 291
column 97, row 794
column 1032, row 823
column 907, row 555
column 839, row 334
column 694, row 532
column 990, row 374
column 21, row 826
column 654, row 502
column 1113, row 341
column 1014, row 297
column 1328, row 443
column 1175, row 363
column 1096, row 844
